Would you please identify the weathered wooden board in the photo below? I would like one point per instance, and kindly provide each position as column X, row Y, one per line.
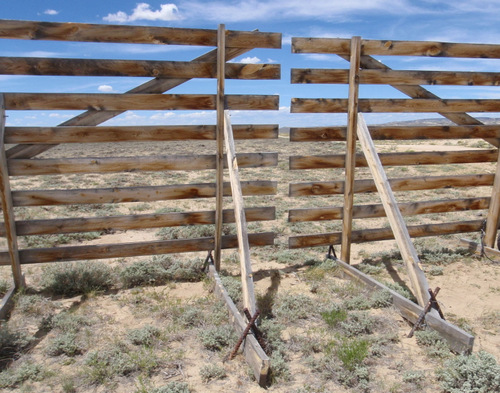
column 378, row 234
column 254, row 354
column 131, row 222
column 400, row 184
column 416, row 105
column 323, row 134
column 33, row 30
column 104, row 251
column 458, row 340
column 247, row 285
column 135, row 194
column 93, row 117
column 123, row 102
column 142, row 68
column 393, row 77
column 7, row 303
column 396, row 159
column 493, row 218
column 52, row 166
column 84, row 134
column 478, row 249
column 340, row 46
column 377, row 210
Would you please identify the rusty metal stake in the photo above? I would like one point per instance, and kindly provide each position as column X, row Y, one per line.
column 244, row 334
column 431, row 304
column 256, row 331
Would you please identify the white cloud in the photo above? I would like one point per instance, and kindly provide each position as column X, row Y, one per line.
column 250, row 60
column 162, row 115
column 143, row 11
column 271, row 61
column 51, row 12
column 105, row 89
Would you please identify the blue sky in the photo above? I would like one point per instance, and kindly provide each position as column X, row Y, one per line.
column 450, row 21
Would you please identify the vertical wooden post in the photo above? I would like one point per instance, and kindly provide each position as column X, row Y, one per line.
column 219, row 197
column 247, row 287
column 494, row 211
column 8, row 206
column 350, row 157
column 398, row 225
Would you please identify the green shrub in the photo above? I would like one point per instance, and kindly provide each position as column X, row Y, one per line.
column 415, row 377
column 434, row 344
column 147, row 335
column 403, row 291
column 211, row 372
column 358, row 323
column 291, row 307
column 68, row 322
column 280, row 371
column 233, row 288
column 71, row 279
column 64, row 344
column 334, row 317
column 217, row 338
column 35, row 305
column 477, row 373
column 171, row 387
column 49, row 241
column 352, row 352
column 26, row 371
column 11, row 343
column 4, row 287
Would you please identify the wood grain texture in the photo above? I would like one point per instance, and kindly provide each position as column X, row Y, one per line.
column 124, row 102
column 327, row 161
column 377, row 210
column 105, row 251
column 493, row 218
column 340, row 46
column 135, row 194
column 133, row 222
column 397, row 77
column 91, row 134
column 33, row 30
column 53, row 166
column 397, row 184
column 378, row 234
column 134, row 68
column 324, row 134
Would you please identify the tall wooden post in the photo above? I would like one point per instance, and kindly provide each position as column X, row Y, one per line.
column 350, row 158
column 8, row 206
column 493, row 219
column 219, row 197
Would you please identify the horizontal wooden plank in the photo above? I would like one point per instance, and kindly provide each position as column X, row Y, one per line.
column 377, row 210
column 416, row 105
column 53, row 166
column 33, row 30
column 122, row 250
column 378, row 234
column 396, row 159
column 84, row 134
column 7, row 303
column 341, row 46
column 135, row 194
column 123, row 102
column 458, row 340
column 140, row 68
column 323, row 134
column 136, row 221
column 393, row 77
column 480, row 249
column 399, row 184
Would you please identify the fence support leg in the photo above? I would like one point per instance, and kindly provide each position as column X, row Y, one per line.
column 494, row 211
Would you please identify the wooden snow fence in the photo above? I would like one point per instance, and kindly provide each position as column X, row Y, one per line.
column 20, row 146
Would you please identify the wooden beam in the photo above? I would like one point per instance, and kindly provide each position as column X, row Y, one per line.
column 247, row 285
column 478, row 249
column 458, row 340
column 135, row 221
column 104, row 251
column 93, row 117
column 417, row 277
column 340, row 46
column 378, row 234
column 219, row 194
column 124, row 102
column 254, row 354
column 8, row 207
column 393, row 77
column 86, row 32
column 397, row 184
column 350, row 156
column 325, row 134
column 7, row 303
column 377, row 210
column 54, row 166
column 91, row 134
column 135, row 194
column 133, row 68
column 493, row 219
column 396, row 159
